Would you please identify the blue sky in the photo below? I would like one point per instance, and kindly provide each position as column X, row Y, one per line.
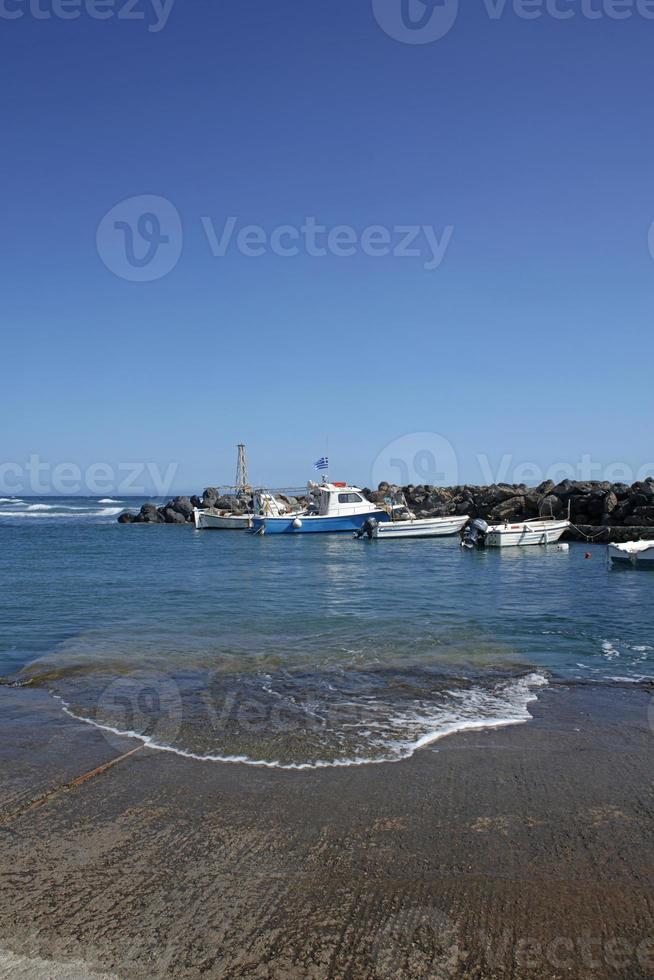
column 530, row 140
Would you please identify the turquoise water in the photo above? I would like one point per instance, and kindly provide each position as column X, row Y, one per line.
column 301, row 650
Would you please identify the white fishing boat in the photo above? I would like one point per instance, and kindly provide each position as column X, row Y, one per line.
column 223, row 518
column 405, row 524
column 212, row 519
column 636, row 553
column 542, row 530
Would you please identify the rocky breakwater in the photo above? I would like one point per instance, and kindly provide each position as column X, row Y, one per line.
column 600, row 511
column 179, row 510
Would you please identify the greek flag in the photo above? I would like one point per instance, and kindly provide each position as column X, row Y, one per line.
column 322, row 463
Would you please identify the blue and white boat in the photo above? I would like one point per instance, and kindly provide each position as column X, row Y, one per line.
column 332, row 507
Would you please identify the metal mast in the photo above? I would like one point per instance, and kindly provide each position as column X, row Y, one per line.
column 242, row 480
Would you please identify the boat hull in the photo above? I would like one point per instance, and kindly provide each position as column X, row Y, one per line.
column 303, row 524
column 206, row 521
column 525, row 533
column 427, row 527
column 643, row 557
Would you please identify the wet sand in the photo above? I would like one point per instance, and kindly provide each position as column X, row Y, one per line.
column 518, row 852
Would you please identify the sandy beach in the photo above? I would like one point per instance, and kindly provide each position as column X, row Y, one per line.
column 523, row 851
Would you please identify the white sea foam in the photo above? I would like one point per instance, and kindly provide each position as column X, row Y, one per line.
column 108, row 500
column 609, row 651
column 469, row 710
column 11, row 500
column 45, row 511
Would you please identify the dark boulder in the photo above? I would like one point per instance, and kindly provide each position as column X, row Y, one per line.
column 545, row 487
column 486, row 498
column 126, row 518
column 550, row 505
column 173, row 516
column 209, row 497
column 508, row 510
column 182, row 505
column 644, row 488
column 149, row 514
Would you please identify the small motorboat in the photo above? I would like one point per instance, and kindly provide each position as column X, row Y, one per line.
column 332, row 507
column 405, row 524
column 214, row 519
column 637, row 553
column 546, row 530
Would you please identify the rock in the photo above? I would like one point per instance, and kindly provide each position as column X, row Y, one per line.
column 571, row 488
column 550, row 505
column 149, row 514
column 610, row 502
column 595, row 502
column 209, row 497
column 644, row 488
column 486, row 498
column 182, row 505
column 173, row 516
column 126, row 518
column 508, row 510
column 646, row 511
column 196, row 501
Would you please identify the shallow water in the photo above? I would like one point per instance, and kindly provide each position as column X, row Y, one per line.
column 306, row 650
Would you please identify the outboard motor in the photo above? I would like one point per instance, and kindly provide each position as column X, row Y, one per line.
column 474, row 534
column 367, row 528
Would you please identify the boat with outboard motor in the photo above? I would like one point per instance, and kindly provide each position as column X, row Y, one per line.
column 332, row 507
column 404, row 523
column 639, row 554
column 543, row 530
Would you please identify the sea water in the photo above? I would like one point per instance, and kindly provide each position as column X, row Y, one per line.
column 305, row 650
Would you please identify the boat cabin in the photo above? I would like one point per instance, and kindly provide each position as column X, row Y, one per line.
column 336, row 500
